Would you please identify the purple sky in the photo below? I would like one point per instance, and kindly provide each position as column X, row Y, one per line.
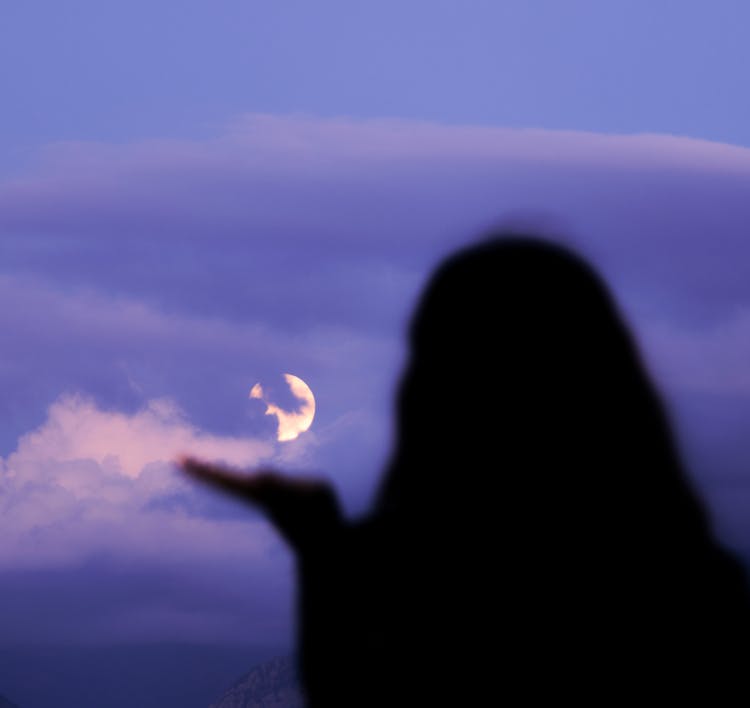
column 184, row 213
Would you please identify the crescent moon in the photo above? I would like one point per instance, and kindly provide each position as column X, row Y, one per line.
column 291, row 423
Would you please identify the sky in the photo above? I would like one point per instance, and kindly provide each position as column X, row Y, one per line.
column 199, row 197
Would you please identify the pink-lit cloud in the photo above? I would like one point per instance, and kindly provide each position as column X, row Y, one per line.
column 89, row 481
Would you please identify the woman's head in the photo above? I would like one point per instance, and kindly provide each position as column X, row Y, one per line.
column 522, row 374
column 509, row 325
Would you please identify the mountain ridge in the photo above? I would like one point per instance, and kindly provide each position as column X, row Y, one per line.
column 272, row 684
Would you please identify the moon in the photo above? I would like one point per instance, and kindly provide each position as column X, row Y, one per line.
column 291, row 423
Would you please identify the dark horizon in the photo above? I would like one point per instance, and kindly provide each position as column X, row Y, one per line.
column 151, row 675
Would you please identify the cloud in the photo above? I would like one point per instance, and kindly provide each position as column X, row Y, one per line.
column 77, row 430
column 123, row 353
column 101, row 539
column 296, row 229
column 710, row 360
column 90, row 482
column 355, row 213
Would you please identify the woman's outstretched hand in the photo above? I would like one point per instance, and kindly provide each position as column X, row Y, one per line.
column 305, row 511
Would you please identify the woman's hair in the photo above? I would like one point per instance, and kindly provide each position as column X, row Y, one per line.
column 522, row 374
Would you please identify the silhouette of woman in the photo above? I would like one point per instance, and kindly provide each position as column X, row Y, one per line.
column 534, row 532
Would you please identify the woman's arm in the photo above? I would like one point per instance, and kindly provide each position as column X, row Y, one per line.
column 305, row 511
